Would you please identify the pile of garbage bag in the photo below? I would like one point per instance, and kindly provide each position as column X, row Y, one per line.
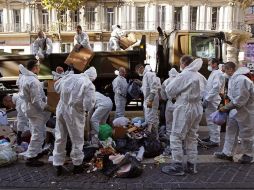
column 122, row 148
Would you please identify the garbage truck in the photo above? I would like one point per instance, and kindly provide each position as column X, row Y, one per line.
column 105, row 62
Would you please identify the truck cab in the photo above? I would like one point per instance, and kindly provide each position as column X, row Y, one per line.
column 199, row 44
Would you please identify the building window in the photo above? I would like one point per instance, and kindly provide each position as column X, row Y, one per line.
column 45, row 20
column 110, row 18
column 140, row 15
column 75, row 19
column 1, row 21
column 252, row 29
column 65, row 47
column 17, row 20
column 90, row 17
column 105, row 46
column 162, row 16
column 178, row 17
column 193, row 17
column 63, row 21
column 250, row 10
column 215, row 17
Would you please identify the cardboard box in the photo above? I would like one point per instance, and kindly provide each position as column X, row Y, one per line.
column 52, row 97
column 79, row 59
column 126, row 42
column 119, row 132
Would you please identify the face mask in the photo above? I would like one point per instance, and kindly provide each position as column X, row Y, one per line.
column 226, row 75
column 181, row 69
column 209, row 68
column 140, row 74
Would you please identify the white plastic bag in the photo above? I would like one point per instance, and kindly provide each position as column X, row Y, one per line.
column 219, row 118
column 3, row 118
column 7, row 155
column 121, row 121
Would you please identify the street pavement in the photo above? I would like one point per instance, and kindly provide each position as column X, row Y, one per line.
column 212, row 174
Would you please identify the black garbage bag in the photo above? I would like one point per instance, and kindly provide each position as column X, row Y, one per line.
column 89, row 153
column 127, row 145
column 153, row 147
column 120, row 145
column 134, row 167
column 134, row 90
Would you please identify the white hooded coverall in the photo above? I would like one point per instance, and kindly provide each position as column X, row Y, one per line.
column 77, row 97
column 120, row 87
column 214, row 86
column 241, row 119
column 82, row 39
column 31, row 92
column 150, row 86
column 169, row 106
column 187, row 113
column 102, row 108
column 42, row 46
column 114, row 39
column 22, row 120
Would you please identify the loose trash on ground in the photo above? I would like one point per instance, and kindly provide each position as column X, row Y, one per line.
column 7, row 155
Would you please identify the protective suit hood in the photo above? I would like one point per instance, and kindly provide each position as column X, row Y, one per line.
column 242, row 71
column 91, row 73
column 14, row 97
column 114, row 27
column 25, row 71
column 147, row 68
column 173, row 72
column 195, row 65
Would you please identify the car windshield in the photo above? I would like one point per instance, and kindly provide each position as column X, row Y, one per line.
column 203, row 47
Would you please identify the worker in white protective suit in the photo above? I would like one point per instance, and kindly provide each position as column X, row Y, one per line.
column 15, row 102
column 103, row 106
column 241, row 115
column 211, row 102
column 150, row 87
column 42, row 46
column 120, row 87
column 36, row 110
column 81, row 39
column 170, row 106
column 59, row 73
column 186, row 116
column 116, row 34
column 77, row 98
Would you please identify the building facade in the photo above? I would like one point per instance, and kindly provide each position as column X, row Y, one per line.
column 249, row 48
column 21, row 20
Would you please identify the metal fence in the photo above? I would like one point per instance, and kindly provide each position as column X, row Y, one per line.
column 150, row 26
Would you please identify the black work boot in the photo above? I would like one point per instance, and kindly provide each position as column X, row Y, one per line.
column 191, row 168
column 34, row 162
column 175, row 169
column 210, row 144
column 207, row 139
column 245, row 159
column 78, row 169
column 222, row 156
column 59, row 170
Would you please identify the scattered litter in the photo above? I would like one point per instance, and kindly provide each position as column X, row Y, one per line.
column 7, row 155
column 160, row 159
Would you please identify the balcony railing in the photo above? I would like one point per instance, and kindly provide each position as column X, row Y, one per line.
column 151, row 26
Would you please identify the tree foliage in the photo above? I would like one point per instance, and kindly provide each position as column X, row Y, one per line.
column 61, row 5
column 243, row 3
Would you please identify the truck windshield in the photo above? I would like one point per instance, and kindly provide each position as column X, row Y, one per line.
column 203, row 47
